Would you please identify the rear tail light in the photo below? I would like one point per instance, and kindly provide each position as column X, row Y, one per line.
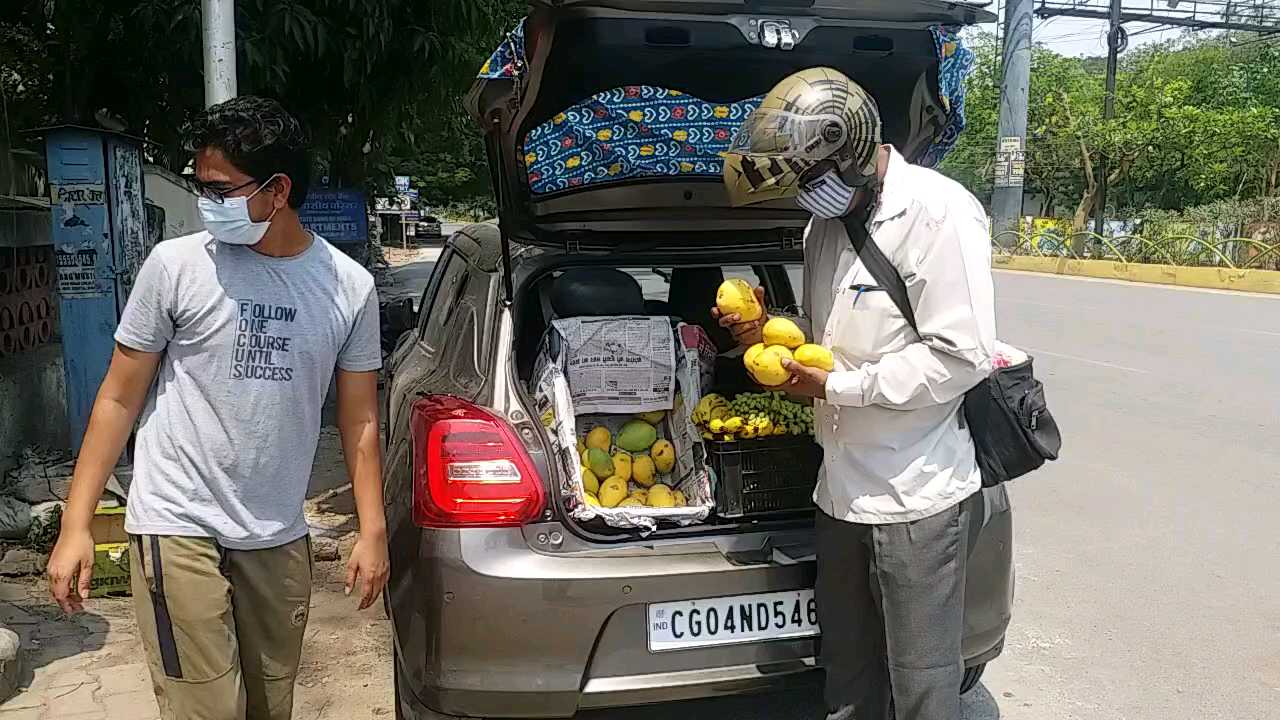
column 469, row 468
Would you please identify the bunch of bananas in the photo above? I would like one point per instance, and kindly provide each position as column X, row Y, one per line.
column 712, row 406
column 751, row 415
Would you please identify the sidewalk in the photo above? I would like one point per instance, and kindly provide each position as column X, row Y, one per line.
column 91, row 667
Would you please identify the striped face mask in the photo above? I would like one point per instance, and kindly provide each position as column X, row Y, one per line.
column 827, row 197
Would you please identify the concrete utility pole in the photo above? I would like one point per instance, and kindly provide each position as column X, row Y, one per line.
column 1116, row 40
column 219, row 19
column 1011, row 145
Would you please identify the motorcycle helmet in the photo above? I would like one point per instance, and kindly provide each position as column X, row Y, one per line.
column 814, row 120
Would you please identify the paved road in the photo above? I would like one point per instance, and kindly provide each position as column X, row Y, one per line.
column 1148, row 558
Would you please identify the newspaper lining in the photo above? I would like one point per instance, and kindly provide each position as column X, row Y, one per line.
column 566, row 421
column 619, row 364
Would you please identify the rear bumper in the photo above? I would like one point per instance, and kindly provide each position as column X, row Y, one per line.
column 625, row 690
column 620, row 691
column 485, row 626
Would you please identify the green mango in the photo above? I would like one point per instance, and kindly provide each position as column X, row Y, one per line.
column 637, row 436
column 599, row 462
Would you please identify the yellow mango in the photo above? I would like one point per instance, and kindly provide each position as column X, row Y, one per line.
column 622, row 465
column 767, row 368
column 600, row 439
column 784, row 332
column 736, row 297
column 660, row 496
column 653, row 418
column 643, row 470
column 815, row 356
column 612, row 492
column 664, row 456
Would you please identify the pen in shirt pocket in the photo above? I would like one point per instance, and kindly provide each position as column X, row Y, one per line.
column 860, row 289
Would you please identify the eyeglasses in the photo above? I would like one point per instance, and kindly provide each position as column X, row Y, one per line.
column 218, row 195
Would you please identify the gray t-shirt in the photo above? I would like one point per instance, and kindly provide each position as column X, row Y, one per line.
column 250, row 342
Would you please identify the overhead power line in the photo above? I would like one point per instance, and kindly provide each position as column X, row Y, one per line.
column 1247, row 15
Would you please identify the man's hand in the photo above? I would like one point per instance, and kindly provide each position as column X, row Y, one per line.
column 805, row 381
column 120, row 398
column 368, row 566
column 746, row 333
column 358, row 426
column 70, row 570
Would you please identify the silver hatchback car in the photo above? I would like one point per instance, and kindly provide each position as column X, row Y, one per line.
column 502, row 604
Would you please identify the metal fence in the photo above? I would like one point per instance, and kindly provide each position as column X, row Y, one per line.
column 1172, row 249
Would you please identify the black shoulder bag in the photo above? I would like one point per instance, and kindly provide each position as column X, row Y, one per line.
column 1007, row 414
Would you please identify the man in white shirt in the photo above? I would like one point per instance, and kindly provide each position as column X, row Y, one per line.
column 900, row 473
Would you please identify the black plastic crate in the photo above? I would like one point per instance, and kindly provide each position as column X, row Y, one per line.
column 763, row 476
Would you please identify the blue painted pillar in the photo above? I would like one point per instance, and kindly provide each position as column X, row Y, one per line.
column 99, row 241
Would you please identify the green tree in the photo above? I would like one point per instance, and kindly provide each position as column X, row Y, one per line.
column 377, row 82
column 1196, row 122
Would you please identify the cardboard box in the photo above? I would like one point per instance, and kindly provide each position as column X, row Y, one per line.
column 110, row 570
column 107, row 526
column 690, row 371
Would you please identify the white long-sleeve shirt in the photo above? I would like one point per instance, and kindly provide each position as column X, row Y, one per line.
column 896, row 448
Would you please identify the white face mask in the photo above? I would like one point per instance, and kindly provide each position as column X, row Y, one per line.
column 229, row 222
column 827, row 197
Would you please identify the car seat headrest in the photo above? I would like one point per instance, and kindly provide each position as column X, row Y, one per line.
column 596, row 292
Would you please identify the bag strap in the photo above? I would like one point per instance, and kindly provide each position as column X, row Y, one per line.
column 880, row 267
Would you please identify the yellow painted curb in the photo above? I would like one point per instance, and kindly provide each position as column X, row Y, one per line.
column 1212, row 278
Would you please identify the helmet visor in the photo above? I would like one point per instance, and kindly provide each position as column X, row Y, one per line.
column 779, row 133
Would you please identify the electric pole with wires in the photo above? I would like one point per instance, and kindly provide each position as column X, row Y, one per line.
column 1011, row 142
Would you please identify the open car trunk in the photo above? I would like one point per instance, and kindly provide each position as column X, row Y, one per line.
column 678, row 296
column 547, row 103
column 716, row 52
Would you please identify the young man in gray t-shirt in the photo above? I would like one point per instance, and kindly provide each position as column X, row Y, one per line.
column 226, row 350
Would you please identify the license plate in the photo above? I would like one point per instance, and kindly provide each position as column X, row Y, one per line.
column 730, row 620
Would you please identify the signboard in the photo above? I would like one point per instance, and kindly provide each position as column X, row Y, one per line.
column 78, row 211
column 78, row 274
column 1011, row 162
column 402, row 183
column 338, row 216
column 398, row 204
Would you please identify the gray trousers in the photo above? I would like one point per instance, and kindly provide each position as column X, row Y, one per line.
column 891, row 608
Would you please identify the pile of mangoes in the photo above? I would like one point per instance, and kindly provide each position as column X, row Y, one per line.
column 632, row 466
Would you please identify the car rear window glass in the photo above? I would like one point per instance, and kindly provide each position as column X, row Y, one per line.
column 447, row 287
column 655, row 283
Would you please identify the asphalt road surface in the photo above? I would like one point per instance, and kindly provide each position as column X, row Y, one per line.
column 1148, row 558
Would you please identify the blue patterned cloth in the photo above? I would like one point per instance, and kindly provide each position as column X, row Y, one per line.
column 632, row 132
column 643, row 131
column 955, row 66
column 509, row 55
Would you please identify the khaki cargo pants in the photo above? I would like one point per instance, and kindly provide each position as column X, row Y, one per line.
column 222, row 628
